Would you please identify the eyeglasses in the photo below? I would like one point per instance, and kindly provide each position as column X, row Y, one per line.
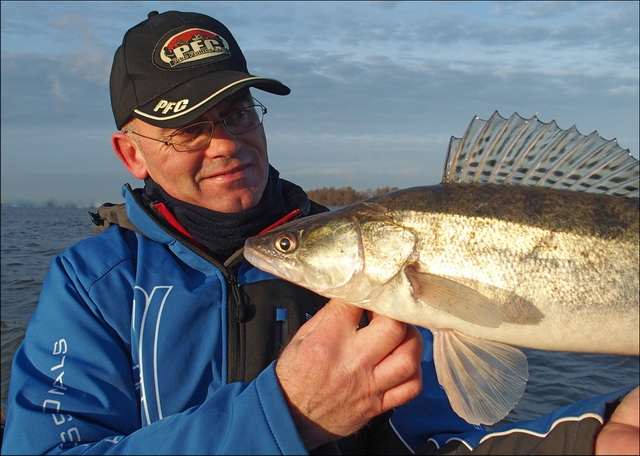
column 198, row 135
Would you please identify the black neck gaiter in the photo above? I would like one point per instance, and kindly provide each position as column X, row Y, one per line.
column 224, row 233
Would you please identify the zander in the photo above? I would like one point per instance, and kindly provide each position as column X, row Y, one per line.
column 531, row 240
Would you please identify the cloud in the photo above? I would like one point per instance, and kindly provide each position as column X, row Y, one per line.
column 84, row 54
column 58, row 94
column 378, row 88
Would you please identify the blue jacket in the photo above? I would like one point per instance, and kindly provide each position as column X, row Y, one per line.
column 127, row 353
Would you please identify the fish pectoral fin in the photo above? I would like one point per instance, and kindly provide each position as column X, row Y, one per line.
column 454, row 298
column 483, row 379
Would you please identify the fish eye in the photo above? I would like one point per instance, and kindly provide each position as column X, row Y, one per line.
column 286, row 243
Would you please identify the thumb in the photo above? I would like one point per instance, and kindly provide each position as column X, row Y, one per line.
column 343, row 312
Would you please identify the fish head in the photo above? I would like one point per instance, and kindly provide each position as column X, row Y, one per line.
column 335, row 254
column 320, row 252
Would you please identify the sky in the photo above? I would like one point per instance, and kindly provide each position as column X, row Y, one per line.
column 378, row 88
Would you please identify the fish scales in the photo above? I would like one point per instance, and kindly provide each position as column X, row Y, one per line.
column 530, row 240
column 578, row 251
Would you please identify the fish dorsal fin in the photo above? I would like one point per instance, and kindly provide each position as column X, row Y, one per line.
column 528, row 152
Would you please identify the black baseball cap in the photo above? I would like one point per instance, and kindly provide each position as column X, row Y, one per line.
column 175, row 66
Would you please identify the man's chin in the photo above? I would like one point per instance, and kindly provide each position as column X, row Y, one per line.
column 232, row 201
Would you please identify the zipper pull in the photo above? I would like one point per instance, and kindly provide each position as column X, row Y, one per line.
column 241, row 306
column 282, row 329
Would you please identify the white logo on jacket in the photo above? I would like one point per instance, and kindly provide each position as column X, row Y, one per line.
column 158, row 296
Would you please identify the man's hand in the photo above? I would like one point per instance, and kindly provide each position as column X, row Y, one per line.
column 621, row 434
column 337, row 377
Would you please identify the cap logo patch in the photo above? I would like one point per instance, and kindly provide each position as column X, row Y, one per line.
column 191, row 45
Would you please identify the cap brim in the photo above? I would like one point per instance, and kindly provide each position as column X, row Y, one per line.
column 192, row 99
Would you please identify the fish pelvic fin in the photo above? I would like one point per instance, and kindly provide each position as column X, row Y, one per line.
column 483, row 379
column 528, row 152
column 454, row 298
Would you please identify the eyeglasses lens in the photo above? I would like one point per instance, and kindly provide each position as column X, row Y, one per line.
column 198, row 135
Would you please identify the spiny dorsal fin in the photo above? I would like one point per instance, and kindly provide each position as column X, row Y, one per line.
column 528, row 152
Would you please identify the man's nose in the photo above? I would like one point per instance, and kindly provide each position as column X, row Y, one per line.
column 223, row 143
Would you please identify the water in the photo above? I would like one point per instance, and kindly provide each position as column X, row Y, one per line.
column 31, row 237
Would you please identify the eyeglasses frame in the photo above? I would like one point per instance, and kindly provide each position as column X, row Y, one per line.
column 167, row 142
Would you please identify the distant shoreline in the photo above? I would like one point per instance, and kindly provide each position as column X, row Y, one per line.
column 327, row 196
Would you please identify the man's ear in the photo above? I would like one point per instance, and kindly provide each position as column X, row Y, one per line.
column 129, row 155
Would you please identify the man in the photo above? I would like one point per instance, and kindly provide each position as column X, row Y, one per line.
column 155, row 336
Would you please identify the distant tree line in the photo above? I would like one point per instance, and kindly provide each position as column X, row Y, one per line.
column 343, row 196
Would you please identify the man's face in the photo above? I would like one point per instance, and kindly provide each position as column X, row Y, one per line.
column 229, row 175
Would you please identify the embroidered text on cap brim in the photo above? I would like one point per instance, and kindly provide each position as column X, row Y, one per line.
column 215, row 94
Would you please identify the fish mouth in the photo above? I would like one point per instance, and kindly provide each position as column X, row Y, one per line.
column 278, row 265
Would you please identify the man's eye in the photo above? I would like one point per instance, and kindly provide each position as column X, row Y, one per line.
column 239, row 114
column 192, row 130
column 189, row 131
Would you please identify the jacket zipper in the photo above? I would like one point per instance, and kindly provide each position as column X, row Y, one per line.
column 236, row 349
column 236, row 308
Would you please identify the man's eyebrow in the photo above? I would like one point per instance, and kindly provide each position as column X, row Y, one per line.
column 233, row 99
column 226, row 106
column 229, row 104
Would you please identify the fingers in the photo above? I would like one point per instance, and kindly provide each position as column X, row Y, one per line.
column 402, row 393
column 346, row 314
column 619, row 435
column 627, row 412
column 337, row 377
column 380, row 337
column 403, row 362
column 393, row 351
column 400, row 373
column 336, row 315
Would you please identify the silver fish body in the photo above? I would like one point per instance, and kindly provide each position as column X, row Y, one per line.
column 541, row 269
column 486, row 264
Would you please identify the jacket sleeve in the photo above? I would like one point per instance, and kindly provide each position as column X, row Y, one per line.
column 568, row 430
column 73, row 390
column 428, row 425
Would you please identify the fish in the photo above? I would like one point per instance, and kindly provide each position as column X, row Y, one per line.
column 530, row 240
